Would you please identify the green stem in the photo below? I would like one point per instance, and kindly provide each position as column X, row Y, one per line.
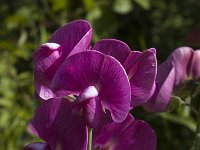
column 89, row 138
column 197, row 146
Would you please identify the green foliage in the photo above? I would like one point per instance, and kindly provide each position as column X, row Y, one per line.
column 141, row 23
column 122, row 6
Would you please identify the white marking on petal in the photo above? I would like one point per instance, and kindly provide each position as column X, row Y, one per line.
column 89, row 92
column 52, row 45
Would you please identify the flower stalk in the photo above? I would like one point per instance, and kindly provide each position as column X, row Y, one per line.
column 89, row 138
column 197, row 144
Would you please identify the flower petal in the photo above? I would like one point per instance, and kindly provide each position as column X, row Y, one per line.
column 43, row 92
column 92, row 68
column 181, row 58
column 55, row 123
column 195, row 67
column 37, row 146
column 46, row 60
column 129, row 135
column 141, row 69
column 74, row 36
column 135, row 64
column 165, row 83
column 92, row 112
column 113, row 47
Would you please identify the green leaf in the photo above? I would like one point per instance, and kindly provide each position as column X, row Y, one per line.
column 145, row 4
column 103, row 21
column 122, row 6
column 59, row 5
column 174, row 103
column 188, row 122
column 22, row 38
column 88, row 4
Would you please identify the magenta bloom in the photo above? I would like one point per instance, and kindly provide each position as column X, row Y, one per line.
column 55, row 123
column 195, row 65
column 165, row 82
column 70, row 39
column 83, row 85
column 141, row 68
column 181, row 58
column 75, row 37
column 61, row 129
column 186, row 62
column 182, row 65
column 129, row 135
column 98, row 81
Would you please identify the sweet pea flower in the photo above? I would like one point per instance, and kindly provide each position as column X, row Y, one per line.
column 165, row 82
column 141, row 67
column 97, row 82
column 61, row 129
column 75, row 37
column 70, row 39
column 83, row 85
column 186, row 62
column 129, row 135
column 181, row 58
column 181, row 66
column 195, row 65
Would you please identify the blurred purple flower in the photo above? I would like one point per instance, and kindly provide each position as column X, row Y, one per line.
column 141, row 68
column 129, row 135
column 182, row 65
column 181, row 59
column 70, row 39
column 186, row 62
column 195, row 65
column 165, row 82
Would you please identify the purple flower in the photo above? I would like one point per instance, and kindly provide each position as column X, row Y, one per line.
column 186, row 62
column 98, row 82
column 75, row 37
column 55, row 123
column 195, row 65
column 165, row 82
column 129, row 135
column 141, row 68
column 70, row 39
column 181, row 58
column 182, row 65
column 84, row 85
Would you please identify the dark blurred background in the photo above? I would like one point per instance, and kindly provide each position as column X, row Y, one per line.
column 25, row 24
